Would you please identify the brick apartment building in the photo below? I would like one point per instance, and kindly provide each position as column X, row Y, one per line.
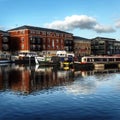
column 105, row 46
column 40, row 40
column 82, row 46
column 48, row 41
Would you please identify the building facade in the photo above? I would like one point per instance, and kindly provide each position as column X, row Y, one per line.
column 82, row 46
column 41, row 40
column 104, row 46
column 4, row 43
column 117, row 47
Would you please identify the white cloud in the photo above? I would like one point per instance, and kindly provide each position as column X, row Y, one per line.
column 117, row 24
column 73, row 22
column 81, row 22
column 103, row 29
column 2, row 28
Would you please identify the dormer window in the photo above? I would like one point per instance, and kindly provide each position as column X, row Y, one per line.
column 43, row 32
column 57, row 34
column 22, row 31
column 48, row 33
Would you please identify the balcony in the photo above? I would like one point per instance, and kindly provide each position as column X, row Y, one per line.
column 68, row 43
column 5, row 47
column 5, row 39
column 35, row 47
column 36, row 40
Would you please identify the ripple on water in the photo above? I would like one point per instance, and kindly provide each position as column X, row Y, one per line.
column 94, row 97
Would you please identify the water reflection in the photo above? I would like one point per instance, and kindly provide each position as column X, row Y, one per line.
column 28, row 79
column 52, row 93
column 88, row 82
column 92, row 72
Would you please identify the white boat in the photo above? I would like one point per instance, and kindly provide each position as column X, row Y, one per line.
column 39, row 59
column 64, row 54
column 27, row 57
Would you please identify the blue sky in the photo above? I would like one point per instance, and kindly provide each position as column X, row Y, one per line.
column 84, row 18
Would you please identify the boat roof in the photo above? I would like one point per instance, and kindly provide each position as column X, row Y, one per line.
column 115, row 56
column 61, row 52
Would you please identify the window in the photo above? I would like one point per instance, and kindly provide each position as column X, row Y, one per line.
column 44, row 47
column 62, row 41
column 70, row 48
column 53, row 43
column 49, row 53
column 22, row 46
column 66, row 48
column 48, row 33
column 39, row 47
column 48, row 40
column 5, row 46
column 5, row 39
column 57, row 41
column 66, row 42
column 32, row 39
column 70, row 42
column 22, row 31
column 53, row 34
column 22, row 39
column 37, row 32
column 44, row 40
column 17, row 32
column 57, row 47
column 32, row 47
column 62, row 47
column 48, row 46
column 38, row 40
column 32, row 31
column 57, row 34
column 43, row 32
column 61, row 35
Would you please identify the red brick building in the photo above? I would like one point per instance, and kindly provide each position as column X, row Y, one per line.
column 41, row 40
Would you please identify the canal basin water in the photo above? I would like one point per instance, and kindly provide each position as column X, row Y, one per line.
column 37, row 93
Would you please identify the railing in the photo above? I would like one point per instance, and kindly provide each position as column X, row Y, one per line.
column 101, row 59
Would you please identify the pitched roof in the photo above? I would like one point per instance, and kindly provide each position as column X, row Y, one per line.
column 4, row 33
column 1, row 31
column 80, row 38
column 37, row 28
column 103, row 38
